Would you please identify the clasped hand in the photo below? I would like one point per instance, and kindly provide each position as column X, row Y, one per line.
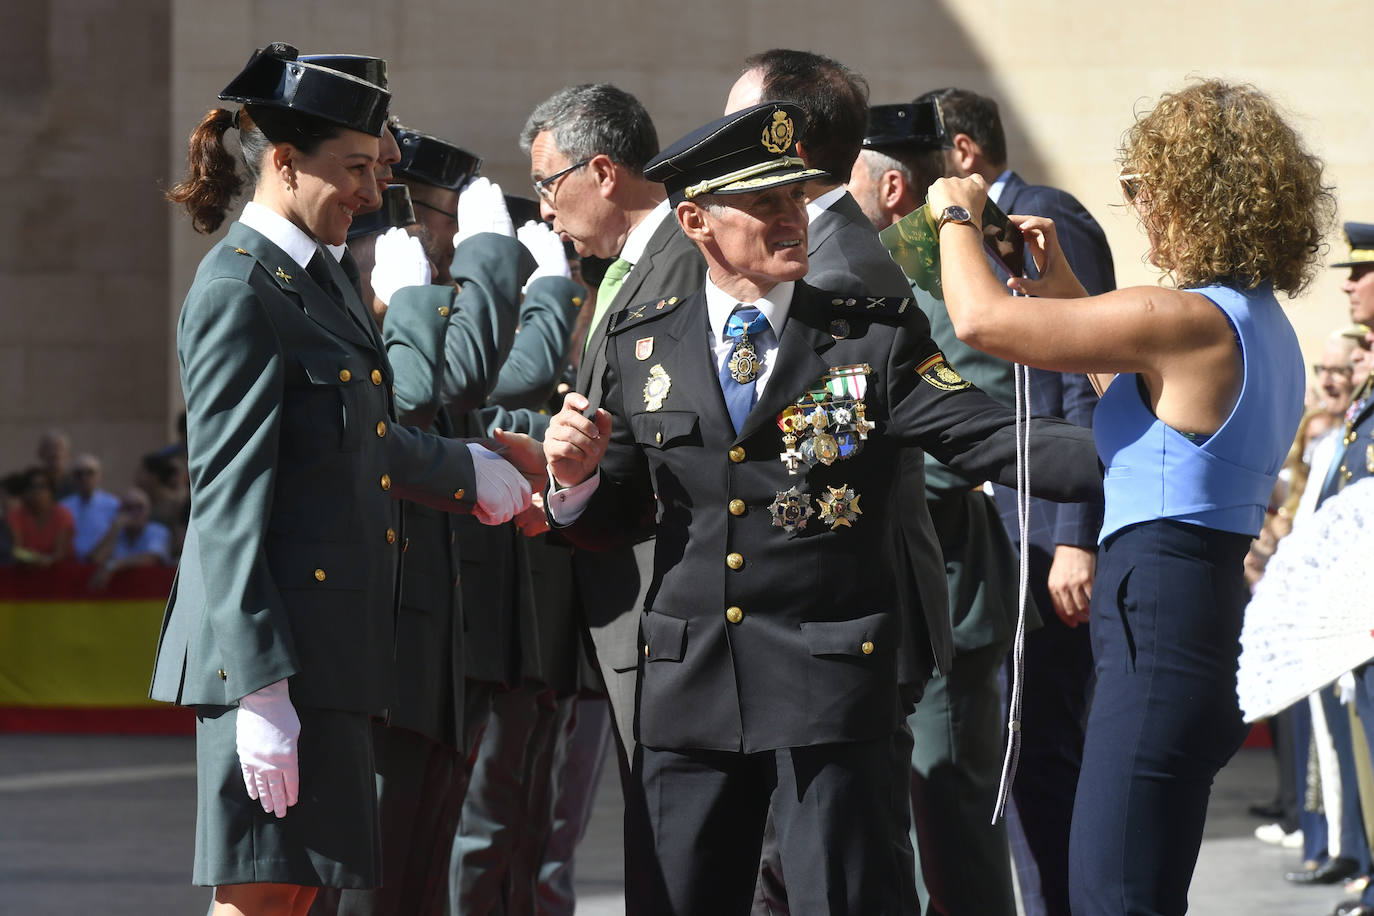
column 573, row 444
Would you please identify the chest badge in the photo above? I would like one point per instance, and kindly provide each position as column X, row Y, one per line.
column 791, row 509
column 644, row 348
column 656, row 387
column 840, row 506
column 283, row 275
column 829, row 422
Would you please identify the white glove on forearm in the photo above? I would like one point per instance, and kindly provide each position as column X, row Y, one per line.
column 482, row 208
column 267, row 733
column 401, row 262
column 547, row 248
column 502, row 491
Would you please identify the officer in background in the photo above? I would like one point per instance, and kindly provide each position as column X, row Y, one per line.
column 769, row 674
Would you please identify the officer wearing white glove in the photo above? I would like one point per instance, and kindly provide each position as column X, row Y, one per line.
column 502, row 491
column 547, row 248
column 267, row 730
column 400, row 262
column 482, row 208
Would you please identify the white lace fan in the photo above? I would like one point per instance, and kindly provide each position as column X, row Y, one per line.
column 1311, row 618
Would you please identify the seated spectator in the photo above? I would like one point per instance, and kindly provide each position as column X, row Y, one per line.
column 42, row 529
column 165, row 482
column 92, row 508
column 54, row 452
column 134, row 539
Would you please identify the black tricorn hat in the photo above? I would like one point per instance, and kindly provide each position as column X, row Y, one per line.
column 749, row 150
column 274, row 77
column 433, row 161
column 396, row 212
column 370, row 69
column 913, row 125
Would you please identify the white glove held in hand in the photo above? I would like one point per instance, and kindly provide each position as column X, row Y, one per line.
column 267, row 732
column 401, row 261
column 547, row 248
column 1346, row 685
column 502, row 492
column 482, row 208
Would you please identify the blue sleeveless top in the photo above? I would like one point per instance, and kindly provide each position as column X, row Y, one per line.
column 1224, row 482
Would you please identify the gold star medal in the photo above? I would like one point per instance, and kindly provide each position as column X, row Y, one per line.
column 656, row 387
column 791, row 509
column 840, row 506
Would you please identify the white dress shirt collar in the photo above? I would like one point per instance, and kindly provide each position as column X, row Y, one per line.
column 280, row 231
column 774, row 307
column 998, row 186
column 827, row 200
column 638, row 238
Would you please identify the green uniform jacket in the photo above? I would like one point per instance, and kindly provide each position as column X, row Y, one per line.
column 289, row 565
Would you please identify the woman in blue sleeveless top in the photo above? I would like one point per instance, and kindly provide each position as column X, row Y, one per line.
column 1203, row 388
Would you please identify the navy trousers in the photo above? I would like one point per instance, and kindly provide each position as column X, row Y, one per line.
column 1167, row 608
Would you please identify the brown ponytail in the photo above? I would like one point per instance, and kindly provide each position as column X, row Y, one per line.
column 212, row 182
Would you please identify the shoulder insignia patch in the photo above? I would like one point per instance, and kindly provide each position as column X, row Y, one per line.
column 937, row 371
column 874, row 306
column 634, row 314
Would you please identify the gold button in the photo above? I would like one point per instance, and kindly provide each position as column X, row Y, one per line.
column 443, row 311
column 222, row 675
column 866, row 648
column 646, row 650
column 345, row 375
column 734, row 560
column 577, row 302
column 737, row 454
column 391, row 535
column 376, row 376
column 319, row 575
column 658, row 438
column 459, row 493
column 381, row 428
column 734, row 614
column 386, row 481
column 736, row 507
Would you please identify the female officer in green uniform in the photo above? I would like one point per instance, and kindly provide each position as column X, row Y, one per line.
column 279, row 629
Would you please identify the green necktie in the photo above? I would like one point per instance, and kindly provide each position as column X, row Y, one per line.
column 605, row 293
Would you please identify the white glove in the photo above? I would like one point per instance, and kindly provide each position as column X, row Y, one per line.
column 482, row 208
column 1346, row 685
column 267, row 730
column 502, row 491
column 547, row 248
column 400, row 261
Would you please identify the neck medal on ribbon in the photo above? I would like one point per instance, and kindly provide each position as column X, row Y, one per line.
column 744, row 360
column 827, row 424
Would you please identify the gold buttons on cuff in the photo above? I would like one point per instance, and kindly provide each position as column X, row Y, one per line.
column 734, row 614
column 443, row 311
column 381, row 428
column 345, row 375
column 391, row 535
column 222, row 675
column 319, row 575
column 386, row 481
column 737, row 454
column 459, row 493
column 734, row 560
column 376, row 376
column 866, row 648
column 736, row 507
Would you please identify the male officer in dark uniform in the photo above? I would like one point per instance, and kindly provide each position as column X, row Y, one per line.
column 1356, row 461
column 770, row 633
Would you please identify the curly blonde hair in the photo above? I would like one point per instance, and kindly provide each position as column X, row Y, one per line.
column 1228, row 191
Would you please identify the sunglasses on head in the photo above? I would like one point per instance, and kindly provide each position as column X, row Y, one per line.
column 1130, row 185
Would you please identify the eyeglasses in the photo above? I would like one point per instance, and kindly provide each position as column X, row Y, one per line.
column 544, row 186
column 1130, row 184
column 1342, row 371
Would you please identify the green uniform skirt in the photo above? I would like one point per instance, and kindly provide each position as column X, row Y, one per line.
column 329, row 838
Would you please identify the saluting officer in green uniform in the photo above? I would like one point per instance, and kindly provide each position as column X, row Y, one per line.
column 280, row 626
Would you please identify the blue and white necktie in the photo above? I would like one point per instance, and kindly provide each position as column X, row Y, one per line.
column 738, row 377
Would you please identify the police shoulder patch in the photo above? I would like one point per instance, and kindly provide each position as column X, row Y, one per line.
column 937, row 372
column 635, row 314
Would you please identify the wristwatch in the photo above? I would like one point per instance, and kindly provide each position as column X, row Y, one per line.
column 953, row 214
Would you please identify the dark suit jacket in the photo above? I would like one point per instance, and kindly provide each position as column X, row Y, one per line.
column 1356, row 458
column 813, row 658
column 1067, row 395
column 294, row 463
column 611, row 586
column 847, row 257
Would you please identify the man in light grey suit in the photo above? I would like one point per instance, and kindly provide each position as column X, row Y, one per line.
column 588, row 146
